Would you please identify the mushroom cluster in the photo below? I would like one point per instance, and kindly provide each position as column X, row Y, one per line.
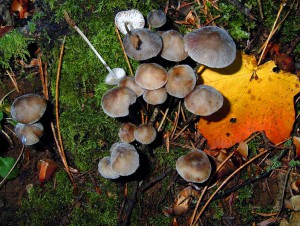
column 153, row 85
column 27, row 111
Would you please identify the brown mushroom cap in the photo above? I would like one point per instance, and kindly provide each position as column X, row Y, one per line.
column 115, row 102
column 132, row 17
column 173, row 46
column 124, row 158
column 29, row 134
column 126, row 132
column 156, row 18
column 194, row 167
column 130, row 83
column 28, row 109
column 181, row 81
column 142, row 44
column 145, row 134
column 104, row 168
column 211, row 46
column 204, row 100
column 151, row 76
column 156, row 96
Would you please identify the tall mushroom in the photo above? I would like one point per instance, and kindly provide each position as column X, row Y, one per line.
column 29, row 134
column 133, row 19
column 211, row 46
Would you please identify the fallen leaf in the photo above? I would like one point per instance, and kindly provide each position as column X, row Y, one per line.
column 20, row 6
column 260, row 101
column 47, row 169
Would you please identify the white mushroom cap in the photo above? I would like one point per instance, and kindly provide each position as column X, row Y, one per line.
column 194, row 167
column 116, row 77
column 204, row 100
column 211, row 46
column 145, row 133
column 104, row 168
column 130, row 83
column 124, row 158
column 30, row 133
column 115, row 102
column 156, row 96
column 133, row 18
column 28, row 109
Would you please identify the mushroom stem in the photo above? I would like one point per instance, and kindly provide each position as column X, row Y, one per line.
column 73, row 24
column 135, row 39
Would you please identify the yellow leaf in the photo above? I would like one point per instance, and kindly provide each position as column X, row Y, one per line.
column 256, row 99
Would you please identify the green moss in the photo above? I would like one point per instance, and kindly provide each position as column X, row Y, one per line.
column 244, row 205
column 13, row 46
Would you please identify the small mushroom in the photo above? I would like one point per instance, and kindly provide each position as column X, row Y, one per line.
column 156, row 18
column 211, row 46
column 104, row 168
column 151, row 76
column 28, row 109
column 194, row 167
column 181, row 81
column 115, row 102
column 130, row 83
column 116, row 77
column 142, row 44
column 133, row 18
column 145, row 133
column 156, row 96
column 29, row 134
column 124, row 158
column 126, row 132
column 204, row 100
column 173, row 46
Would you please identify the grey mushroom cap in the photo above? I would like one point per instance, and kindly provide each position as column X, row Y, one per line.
column 104, row 168
column 156, row 96
column 156, row 18
column 145, row 133
column 173, row 46
column 130, row 83
column 204, row 100
column 124, row 158
column 142, row 44
column 115, row 102
column 29, row 134
column 132, row 17
column 181, row 81
column 126, row 132
column 151, row 76
column 28, row 109
column 194, row 167
column 211, row 46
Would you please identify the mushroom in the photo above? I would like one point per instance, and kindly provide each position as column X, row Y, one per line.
column 104, row 168
column 156, row 96
column 133, row 18
column 114, row 75
column 130, row 83
column 124, row 158
column 173, row 46
column 181, row 81
column 145, row 133
column 28, row 109
column 115, row 102
column 156, row 18
column 126, row 132
column 142, row 44
column 151, row 76
column 194, row 167
column 204, row 100
column 211, row 46
column 29, row 134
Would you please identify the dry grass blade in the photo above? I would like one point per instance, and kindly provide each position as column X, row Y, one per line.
column 13, row 79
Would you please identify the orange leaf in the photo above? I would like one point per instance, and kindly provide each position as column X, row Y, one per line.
column 256, row 99
column 20, row 6
column 46, row 169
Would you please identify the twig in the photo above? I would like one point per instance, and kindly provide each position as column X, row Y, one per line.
column 225, row 182
column 125, row 55
column 60, row 143
column 156, row 180
column 12, row 168
column 13, row 79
